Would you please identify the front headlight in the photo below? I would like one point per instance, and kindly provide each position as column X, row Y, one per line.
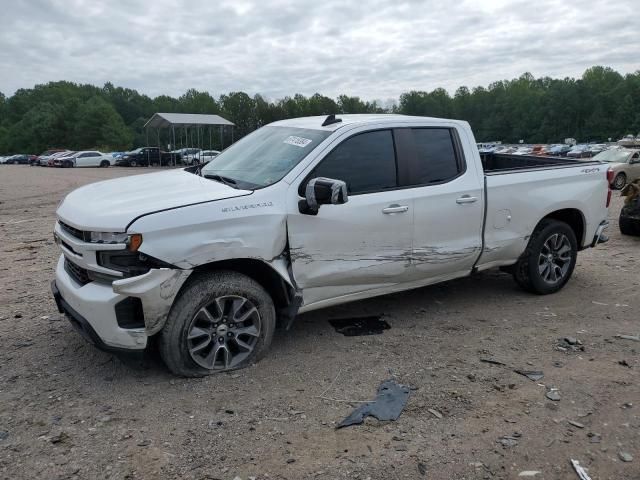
column 133, row 241
column 108, row 237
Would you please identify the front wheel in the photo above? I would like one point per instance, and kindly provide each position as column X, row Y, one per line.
column 549, row 259
column 133, row 163
column 620, row 181
column 221, row 321
column 104, row 164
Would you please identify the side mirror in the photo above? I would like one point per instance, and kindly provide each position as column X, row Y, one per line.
column 322, row 191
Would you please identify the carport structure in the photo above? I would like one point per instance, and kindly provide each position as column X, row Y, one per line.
column 193, row 129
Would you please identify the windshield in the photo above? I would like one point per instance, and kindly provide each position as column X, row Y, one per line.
column 137, row 150
column 265, row 156
column 612, row 156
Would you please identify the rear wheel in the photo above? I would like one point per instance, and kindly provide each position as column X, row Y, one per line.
column 222, row 321
column 620, row 181
column 549, row 259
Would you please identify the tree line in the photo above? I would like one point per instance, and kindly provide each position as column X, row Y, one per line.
column 601, row 104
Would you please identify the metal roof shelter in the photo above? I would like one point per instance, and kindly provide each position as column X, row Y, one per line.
column 165, row 120
column 193, row 129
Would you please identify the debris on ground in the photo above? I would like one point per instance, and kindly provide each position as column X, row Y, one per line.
column 492, row 361
column 594, row 437
column 634, row 338
column 566, row 344
column 434, row 412
column 509, row 440
column 624, row 363
column 529, row 473
column 576, row 424
column 533, row 375
column 625, row 456
column 358, row 326
column 388, row 405
column 582, row 473
column 553, row 395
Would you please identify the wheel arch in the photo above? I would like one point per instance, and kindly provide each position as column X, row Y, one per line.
column 572, row 217
column 278, row 287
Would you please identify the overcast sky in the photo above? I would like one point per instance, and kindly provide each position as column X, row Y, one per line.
column 376, row 49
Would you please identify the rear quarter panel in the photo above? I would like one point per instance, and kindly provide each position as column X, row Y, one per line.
column 517, row 201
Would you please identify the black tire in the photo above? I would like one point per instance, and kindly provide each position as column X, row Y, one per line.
column 629, row 226
column 205, row 291
column 133, row 163
column 620, row 181
column 527, row 271
column 104, row 164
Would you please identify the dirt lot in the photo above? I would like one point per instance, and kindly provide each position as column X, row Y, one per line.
column 68, row 410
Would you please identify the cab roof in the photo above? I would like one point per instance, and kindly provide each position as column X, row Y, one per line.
column 316, row 122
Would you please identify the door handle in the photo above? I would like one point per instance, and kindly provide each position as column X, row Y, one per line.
column 466, row 199
column 395, row 208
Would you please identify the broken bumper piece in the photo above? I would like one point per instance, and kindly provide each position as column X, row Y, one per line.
column 96, row 309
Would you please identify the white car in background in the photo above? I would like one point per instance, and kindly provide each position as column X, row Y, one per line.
column 85, row 158
column 208, row 155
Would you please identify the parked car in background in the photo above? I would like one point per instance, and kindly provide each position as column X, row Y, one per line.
column 308, row 213
column 145, row 156
column 558, row 150
column 41, row 160
column 596, row 148
column 48, row 160
column 2, row 159
column 88, row 158
column 523, row 151
column 140, row 157
column 20, row 159
column 61, row 159
column 629, row 220
column 625, row 164
column 208, row 155
column 579, row 151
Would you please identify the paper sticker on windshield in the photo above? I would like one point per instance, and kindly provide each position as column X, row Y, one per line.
column 297, row 141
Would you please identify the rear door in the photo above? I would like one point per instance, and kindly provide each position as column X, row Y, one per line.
column 363, row 244
column 448, row 202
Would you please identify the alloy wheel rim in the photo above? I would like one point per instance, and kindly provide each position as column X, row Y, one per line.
column 620, row 181
column 224, row 333
column 555, row 258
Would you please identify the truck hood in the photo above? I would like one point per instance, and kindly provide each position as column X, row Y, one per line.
column 111, row 205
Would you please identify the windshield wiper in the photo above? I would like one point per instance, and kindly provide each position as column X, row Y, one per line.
column 219, row 178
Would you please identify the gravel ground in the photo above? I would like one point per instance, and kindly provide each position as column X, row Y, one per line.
column 68, row 410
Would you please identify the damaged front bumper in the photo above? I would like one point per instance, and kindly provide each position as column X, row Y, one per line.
column 105, row 313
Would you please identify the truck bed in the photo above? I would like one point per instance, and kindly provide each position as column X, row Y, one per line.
column 503, row 163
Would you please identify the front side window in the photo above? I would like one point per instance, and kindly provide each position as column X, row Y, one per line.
column 436, row 159
column 366, row 162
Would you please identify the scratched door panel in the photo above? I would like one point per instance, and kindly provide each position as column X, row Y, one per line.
column 352, row 247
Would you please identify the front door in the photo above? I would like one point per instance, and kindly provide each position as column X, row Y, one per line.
column 364, row 244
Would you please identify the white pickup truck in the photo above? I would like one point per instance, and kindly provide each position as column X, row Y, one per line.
column 307, row 213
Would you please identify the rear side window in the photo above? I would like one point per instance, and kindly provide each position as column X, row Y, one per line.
column 436, row 159
column 366, row 162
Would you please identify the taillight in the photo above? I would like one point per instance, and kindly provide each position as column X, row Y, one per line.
column 609, row 182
